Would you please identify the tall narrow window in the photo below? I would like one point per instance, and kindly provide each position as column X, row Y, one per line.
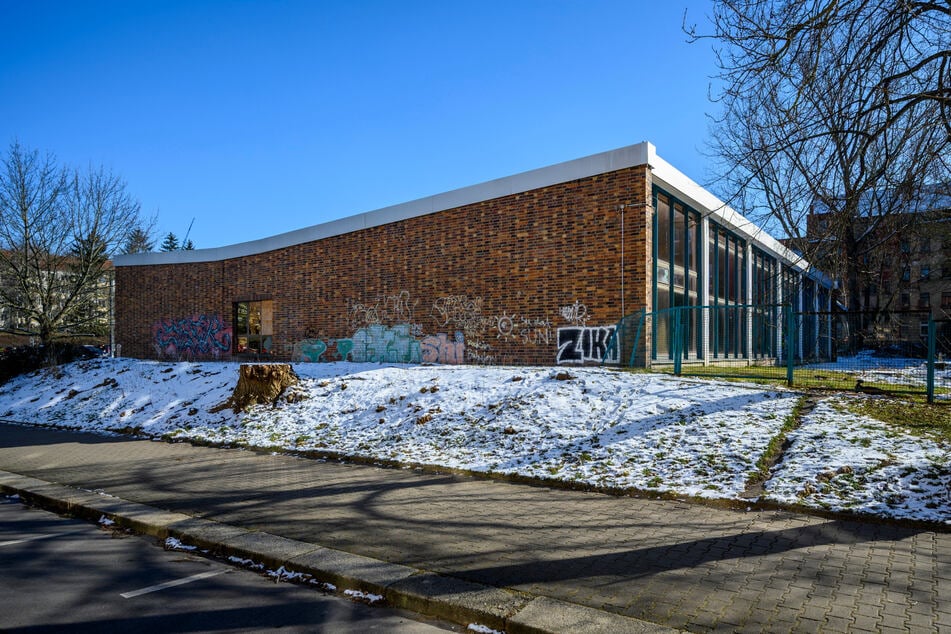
column 254, row 327
column 676, row 274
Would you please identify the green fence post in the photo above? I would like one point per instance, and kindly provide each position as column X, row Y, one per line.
column 678, row 344
column 931, row 355
column 790, row 343
column 637, row 339
column 614, row 341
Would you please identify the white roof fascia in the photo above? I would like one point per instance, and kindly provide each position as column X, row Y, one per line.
column 593, row 165
column 679, row 185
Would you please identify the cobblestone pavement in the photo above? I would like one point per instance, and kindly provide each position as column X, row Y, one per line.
column 674, row 563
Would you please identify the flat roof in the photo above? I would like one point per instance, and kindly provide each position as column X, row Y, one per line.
column 664, row 174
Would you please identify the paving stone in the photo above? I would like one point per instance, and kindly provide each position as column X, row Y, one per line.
column 866, row 622
column 837, row 624
column 689, row 564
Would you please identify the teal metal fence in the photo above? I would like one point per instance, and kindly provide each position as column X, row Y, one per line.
column 878, row 352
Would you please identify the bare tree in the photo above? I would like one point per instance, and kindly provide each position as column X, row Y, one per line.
column 57, row 229
column 840, row 107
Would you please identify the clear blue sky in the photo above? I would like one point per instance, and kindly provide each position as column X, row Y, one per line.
column 256, row 118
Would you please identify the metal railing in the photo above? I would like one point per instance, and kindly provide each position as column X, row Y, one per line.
column 899, row 352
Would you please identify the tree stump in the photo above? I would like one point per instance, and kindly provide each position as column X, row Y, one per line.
column 261, row 384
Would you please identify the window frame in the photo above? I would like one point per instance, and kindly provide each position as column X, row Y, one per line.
column 253, row 327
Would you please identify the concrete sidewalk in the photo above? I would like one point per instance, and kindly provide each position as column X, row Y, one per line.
column 512, row 557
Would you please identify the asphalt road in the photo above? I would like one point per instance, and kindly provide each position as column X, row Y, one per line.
column 62, row 574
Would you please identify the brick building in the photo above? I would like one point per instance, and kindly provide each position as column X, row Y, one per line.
column 903, row 265
column 535, row 268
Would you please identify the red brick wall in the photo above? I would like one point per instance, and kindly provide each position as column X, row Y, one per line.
column 506, row 273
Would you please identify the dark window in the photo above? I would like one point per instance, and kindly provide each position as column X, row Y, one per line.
column 905, row 300
column 924, row 300
column 945, row 299
column 254, row 327
column 925, row 272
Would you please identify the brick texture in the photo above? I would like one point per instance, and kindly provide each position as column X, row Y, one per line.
column 500, row 276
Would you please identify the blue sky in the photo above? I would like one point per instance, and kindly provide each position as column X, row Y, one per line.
column 255, row 118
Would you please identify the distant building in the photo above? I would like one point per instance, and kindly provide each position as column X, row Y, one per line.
column 96, row 313
column 904, row 274
column 535, row 268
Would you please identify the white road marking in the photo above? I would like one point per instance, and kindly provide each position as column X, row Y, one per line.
column 172, row 584
column 14, row 542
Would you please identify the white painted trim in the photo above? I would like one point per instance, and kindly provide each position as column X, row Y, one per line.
column 622, row 158
column 669, row 178
column 679, row 185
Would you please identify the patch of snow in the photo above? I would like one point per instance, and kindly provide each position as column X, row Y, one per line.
column 482, row 629
column 172, row 543
column 601, row 427
column 363, row 596
column 841, row 461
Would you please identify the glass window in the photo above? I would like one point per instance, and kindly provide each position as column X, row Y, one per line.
column 924, row 300
column 254, row 327
column 663, row 230
column 676, row 276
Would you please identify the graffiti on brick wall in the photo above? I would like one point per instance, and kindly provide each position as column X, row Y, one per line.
column 392, row 344
column 576, row 314
column 526, row 330
column 344, row 348
column 195, row 336
column 316, row 350
column 309, row 350
column 440, row 348
column 479, row 352
column 461, row 311
column 578, row 344
column 385, row 310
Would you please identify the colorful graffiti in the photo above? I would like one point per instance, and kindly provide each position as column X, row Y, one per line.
column 391, row 344
column 441, row 349
column 315, row 350
column 309, row 350
column 579, row 344
column 195, row 336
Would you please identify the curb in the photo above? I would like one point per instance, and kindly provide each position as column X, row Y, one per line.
column 424, row 592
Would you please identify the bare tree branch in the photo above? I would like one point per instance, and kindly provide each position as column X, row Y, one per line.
column 57, row 230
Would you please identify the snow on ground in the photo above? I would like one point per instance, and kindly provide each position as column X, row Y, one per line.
column 594, row 426
column 841, row 461
column 895, row 370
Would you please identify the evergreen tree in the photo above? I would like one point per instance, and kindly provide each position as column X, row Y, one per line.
column 170, row 243
column 188, row 245
column 139, row 241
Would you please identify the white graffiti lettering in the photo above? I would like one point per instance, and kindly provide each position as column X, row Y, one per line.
column 576, row 314
column 581, row 344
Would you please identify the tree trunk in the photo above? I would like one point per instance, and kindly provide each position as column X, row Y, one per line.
column 260, row 383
